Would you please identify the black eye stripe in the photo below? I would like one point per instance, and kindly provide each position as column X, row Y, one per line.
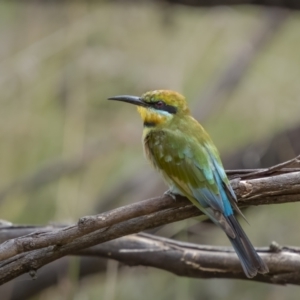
column 170, row 109
column 161, row 105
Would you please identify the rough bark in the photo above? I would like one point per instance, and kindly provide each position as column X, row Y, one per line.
column 29, row 253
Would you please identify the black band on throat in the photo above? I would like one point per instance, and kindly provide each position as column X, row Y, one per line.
column 149, row 124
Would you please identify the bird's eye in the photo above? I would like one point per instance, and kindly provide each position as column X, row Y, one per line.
column 159, row 104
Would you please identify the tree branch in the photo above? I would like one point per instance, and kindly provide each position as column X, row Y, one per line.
column 186, row 259
column 29, row 253
column 290, row 4
column 198, row 261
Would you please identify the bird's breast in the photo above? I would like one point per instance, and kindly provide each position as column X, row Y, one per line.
column 153, row 142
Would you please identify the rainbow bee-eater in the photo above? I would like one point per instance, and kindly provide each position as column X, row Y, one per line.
column 182, row 151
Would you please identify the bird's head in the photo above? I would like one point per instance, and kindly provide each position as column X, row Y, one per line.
column 157, row 107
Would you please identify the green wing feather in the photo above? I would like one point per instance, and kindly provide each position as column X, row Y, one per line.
column 185, row 163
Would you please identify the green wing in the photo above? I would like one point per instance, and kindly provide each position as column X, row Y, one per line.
column 187, row 164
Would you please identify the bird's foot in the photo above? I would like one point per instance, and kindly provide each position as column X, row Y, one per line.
column 169, row 193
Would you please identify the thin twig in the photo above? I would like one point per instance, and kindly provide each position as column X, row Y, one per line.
column 273, row 169
column 240, row 173
column 292, row 4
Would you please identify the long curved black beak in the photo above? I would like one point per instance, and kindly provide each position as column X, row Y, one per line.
column 130, row 99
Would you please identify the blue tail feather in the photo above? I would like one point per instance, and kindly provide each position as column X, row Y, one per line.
column 250, row 260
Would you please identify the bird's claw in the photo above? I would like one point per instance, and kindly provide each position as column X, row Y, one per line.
column 169, row 193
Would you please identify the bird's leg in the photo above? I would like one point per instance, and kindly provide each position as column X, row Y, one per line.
column 172, row 192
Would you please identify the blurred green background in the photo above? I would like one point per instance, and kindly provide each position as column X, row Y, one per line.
column 64, row 148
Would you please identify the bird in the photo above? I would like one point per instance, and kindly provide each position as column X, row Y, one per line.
column 182, row 151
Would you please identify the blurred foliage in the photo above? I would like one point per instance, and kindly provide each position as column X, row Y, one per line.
column 59, row 63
